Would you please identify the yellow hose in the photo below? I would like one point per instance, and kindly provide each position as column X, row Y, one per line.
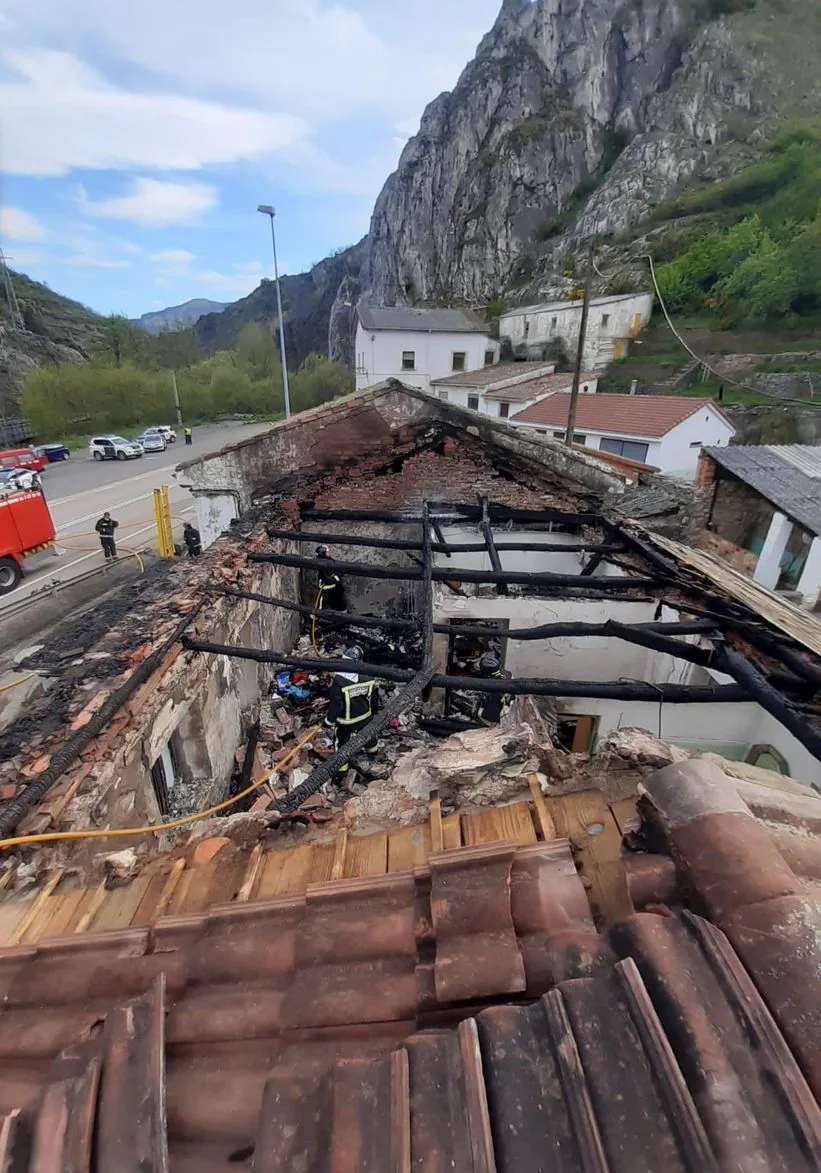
column 123, row 832
column 14, row 683
column 93, row 549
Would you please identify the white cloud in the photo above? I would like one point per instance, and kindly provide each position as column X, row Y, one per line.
column 155, row 203
column 173, row 256
column 249, row 267
column 66, row 116
column 89, row 262
column 15, row 224
column 234, row 283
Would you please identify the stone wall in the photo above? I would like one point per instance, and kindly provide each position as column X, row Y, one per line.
column 776, row 424
column 739, row 513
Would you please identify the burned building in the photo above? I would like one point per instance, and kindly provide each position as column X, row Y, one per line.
column 588, row 932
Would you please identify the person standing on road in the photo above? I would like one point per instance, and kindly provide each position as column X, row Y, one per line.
column 192, row 539
column 105, row 527
column 189, row 435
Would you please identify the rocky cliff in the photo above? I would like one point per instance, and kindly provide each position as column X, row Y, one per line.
column 577, row 117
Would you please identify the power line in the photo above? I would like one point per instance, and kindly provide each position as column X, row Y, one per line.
column 15, row 313
column 706, row 365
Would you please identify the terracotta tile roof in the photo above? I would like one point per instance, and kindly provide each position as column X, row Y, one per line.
column 624, row 415
column 498, row 373
column 534, row 388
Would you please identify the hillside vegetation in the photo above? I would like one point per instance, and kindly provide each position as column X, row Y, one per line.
column 747, row 251
column 127, row 382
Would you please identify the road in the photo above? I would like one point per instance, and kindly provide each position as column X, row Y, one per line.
column 80, row 490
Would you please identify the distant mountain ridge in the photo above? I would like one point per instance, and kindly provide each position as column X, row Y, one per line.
column 175, row 316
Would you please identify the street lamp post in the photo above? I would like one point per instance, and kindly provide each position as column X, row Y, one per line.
column 267, row 210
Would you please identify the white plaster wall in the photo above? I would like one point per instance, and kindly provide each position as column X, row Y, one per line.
column 215, row 512
column 568, row 659
column 599, row 341
column 707, row 429
column 711, row 728
column 379, row 355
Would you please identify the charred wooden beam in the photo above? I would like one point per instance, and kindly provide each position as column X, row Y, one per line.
column 441, row 574
column 538, row 686
column 438, row 547
column 597, row 559
column 493, row 554
column 447, row 514
column 759, row 689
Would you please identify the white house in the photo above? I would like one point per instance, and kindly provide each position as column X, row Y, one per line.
column 613, row 323
column 417, row 345
column 508, row 388
column 665, row 431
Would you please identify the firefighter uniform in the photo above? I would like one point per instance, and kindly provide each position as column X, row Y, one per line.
column 353, row 702
column 105, row 527
column 493, row 705
column 331, row 596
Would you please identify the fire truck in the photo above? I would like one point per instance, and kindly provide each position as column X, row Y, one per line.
column 26, row 528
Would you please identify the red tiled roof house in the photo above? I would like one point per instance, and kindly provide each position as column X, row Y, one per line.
column 665, row 431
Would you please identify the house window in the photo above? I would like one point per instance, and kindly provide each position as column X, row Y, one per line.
column 554, row 322
column 473, row 402
column 490, row 358
column 578, row 438
column 527, row 328
column 459, row 360
column 165, row 773
column 443, row 394
column 632, row 449
column 605, row 320
column 697, row 444
column 504, row 410
column 408, row 360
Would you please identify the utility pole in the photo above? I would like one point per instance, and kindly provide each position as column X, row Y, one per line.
column 176, row 398
column 577, row 374
column 270, row 212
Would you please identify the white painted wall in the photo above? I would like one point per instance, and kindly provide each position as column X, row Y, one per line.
column 379, row 355
column 676, row 454
column 215, row 512
column 730, row 730
column 537, row 325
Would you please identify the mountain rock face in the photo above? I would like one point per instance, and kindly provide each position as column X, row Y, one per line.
column 318, row 308
column 176, row 316
column 575, row 117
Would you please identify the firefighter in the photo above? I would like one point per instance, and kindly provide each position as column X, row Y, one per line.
column 331, row 594
column 192, row 539
column 493, row 705
column 353, row 701
column 105, row 527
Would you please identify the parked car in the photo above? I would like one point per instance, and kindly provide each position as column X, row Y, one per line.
column 167, row 431
column 152, row 440
column 115, row 448
column 15, row 480
column 22, row 458
column 53, row 452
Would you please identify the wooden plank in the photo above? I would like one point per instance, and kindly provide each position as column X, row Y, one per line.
column 38, row 904
column 226, row 874
column 558, row 816
column 11, row 913
column 452, row 832
column 544, row 823
column 596, row 838
column 48, row 910
column 90, row 909
column 253, row 871
column 367, row 856
column 185, row 885
column 295, row 874
column 148, row 905
column 340, row 850
column 437, row 835
column 119, row 913
column 500, row 825
column 172, row 880
column 323, row 862
column 61, row 923
column 625, row 812
column 270, row 872
column 408, row 848
column 5, row 878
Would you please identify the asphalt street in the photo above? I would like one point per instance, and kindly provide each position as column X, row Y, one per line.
column 80, row 490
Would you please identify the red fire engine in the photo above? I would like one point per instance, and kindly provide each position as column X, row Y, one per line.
column 25, row 528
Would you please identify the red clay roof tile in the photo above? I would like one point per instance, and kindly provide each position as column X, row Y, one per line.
column 623, row 415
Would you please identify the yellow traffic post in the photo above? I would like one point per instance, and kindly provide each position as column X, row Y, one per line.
column 166, row 513
column 163, row 520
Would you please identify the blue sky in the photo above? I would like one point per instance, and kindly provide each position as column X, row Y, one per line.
column 137, row 140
